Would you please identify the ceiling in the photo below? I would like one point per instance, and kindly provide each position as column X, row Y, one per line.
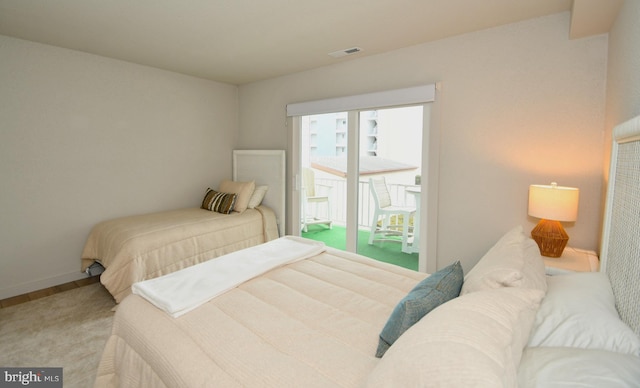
column 242, row 41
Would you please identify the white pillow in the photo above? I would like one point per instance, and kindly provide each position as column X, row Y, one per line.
column 514, row 261
column 573, row 367
column 257, row 196
column 579, row 311
column 475, row 340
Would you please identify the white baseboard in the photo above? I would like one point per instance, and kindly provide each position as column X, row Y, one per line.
column 36, row 285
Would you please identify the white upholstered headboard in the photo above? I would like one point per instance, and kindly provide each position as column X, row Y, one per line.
column 620, row 253
column 265, row 167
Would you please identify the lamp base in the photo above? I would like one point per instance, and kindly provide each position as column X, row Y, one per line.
column 550, row 237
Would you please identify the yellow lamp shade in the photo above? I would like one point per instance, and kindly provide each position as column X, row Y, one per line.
column 553, row 202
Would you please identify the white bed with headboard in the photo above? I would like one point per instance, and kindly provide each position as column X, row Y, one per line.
column 330, row 318
column 234, row 215
column 620, row 252
column 593, row 341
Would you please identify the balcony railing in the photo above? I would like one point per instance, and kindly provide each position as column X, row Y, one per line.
column 366, row 205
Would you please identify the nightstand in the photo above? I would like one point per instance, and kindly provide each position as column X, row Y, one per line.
column 572, row 260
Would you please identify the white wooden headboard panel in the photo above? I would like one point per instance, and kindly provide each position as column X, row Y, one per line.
column 620, row 255
column 265, row 167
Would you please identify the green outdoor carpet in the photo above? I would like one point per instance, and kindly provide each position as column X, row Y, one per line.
column 387, row 251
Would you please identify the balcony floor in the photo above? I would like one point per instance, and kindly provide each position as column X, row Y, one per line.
column 387, row 251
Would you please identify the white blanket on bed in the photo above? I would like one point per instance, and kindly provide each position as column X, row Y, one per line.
column 182, row 291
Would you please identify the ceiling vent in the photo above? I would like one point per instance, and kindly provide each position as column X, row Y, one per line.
column 345, row 52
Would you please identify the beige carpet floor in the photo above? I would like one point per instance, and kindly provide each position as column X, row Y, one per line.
column 67, row 330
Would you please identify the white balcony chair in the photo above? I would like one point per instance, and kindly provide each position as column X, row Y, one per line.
column 385, row 209
column 314, row 194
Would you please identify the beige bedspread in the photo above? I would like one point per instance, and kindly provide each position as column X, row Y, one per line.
column 146, row 246
column 309, row 324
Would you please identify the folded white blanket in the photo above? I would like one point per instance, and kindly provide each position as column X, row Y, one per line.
column 182, row 291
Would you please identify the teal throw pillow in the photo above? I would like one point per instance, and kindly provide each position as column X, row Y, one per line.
column 430, row 293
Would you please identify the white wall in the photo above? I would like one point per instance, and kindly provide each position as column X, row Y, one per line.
column 521, row 104
column 85, row 138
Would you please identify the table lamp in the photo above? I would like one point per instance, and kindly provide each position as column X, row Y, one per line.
column 552, row 204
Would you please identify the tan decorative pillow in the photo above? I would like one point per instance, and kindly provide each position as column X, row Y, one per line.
column 242, row 189
column 219, row 202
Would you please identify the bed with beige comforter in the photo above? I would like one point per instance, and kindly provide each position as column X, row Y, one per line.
column 146, row 246
column 311, row 323
column 294, row 313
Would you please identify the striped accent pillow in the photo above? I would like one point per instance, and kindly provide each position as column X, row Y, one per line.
column 219, row 202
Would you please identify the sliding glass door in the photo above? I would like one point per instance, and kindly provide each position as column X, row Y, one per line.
column 389, row 177
column 388, row 151
column 323, row 167
column 364, row 179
